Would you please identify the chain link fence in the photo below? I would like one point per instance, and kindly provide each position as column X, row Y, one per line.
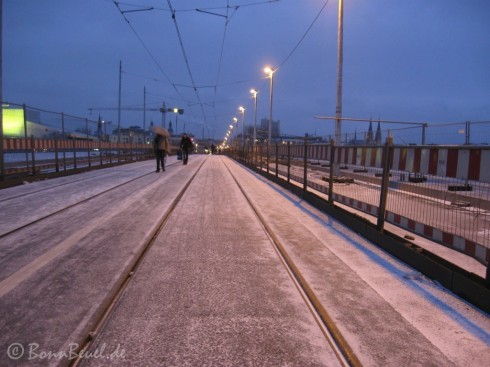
column 441, row 193
column 35, row 141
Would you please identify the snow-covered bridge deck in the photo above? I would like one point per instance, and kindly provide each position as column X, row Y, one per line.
column 207, row 284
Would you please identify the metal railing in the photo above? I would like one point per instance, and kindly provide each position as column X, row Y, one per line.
column 439, row 192
column 36, row 141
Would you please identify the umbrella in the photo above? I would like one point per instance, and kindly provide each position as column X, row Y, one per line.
column 160, row 131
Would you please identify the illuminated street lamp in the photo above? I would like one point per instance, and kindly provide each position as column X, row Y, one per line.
column 268, row 70
column 254, row 93
column 242, row 111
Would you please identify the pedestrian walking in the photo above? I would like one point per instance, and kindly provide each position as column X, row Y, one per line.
column 185, row 145
column 161, row 146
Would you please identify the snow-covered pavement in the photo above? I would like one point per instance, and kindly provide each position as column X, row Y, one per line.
column 212, row 289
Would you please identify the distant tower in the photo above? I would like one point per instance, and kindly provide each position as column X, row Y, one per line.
column 369, row 139
column 100, row 133
column 378, row 138
column 170, row 130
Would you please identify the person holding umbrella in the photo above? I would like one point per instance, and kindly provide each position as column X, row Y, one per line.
column 161, row 146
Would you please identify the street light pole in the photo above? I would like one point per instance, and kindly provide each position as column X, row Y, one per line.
column 119, row 106
column 242, row 111
column 254, row 92
column 340, row 47
column 269, row 71
column 235, row 121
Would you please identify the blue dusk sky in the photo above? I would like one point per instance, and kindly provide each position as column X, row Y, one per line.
column 424, row 61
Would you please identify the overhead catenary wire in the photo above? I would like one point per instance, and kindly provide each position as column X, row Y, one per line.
column 227, row 17
column 186, row 60
column 145, row 46
column 304, row 35
column 153, row 58
column 221, row 56
column 173, row 12
column 256, row 3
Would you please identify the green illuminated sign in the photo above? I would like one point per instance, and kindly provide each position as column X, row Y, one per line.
column 13, row 122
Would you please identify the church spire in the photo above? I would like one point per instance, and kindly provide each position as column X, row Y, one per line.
column 378, row 137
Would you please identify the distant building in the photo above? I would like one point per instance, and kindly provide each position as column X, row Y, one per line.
column 263, row 131
column 132, row 134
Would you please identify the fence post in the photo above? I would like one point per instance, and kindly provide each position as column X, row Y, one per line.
column 56, row 149
column 131, row 147
column 74, row 154
column 63, row 135
column 100, row 153
column 330, row 178
column 277, row 160
column 88, row 144
column 385, row 180
column 24, row 109
column 305, row 164
column 33, row 155
column 487, row 278
column 261, row 152
column 268, row 156
column 250, row 155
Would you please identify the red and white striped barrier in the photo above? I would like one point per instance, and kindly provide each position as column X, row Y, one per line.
column 17, row 144
column 457, row 162
column 50, row 144
column 458, row 243
column 41, row 144
column 362, row 206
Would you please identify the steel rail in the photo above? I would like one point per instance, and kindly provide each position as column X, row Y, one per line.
column 2, row 235
column 115, row 298
column 337, row 342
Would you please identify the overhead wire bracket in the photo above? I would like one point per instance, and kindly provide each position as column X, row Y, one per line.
column 135, row 10
column 208, row 12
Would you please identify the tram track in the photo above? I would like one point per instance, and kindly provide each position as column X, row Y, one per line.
column 333, row 337
column 71, row 206
column 53, row 187
column 337, row 342
column 115, row 298
column 113, row 315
